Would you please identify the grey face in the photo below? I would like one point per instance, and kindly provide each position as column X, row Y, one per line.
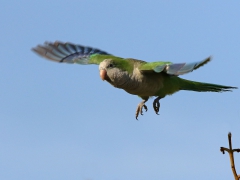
column 111, row 73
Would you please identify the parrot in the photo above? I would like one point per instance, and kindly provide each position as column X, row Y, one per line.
column 137, row 77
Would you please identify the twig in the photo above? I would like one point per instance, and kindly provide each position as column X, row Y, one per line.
column 230, row 152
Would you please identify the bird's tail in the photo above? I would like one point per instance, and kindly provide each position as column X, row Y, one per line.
column 204, row 87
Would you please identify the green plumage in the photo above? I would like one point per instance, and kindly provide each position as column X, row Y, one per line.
column 172, row 84
column 144, row 79
column 98, row 58
column 151, row 65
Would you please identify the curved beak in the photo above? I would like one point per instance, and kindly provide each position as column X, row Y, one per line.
column 103, row 74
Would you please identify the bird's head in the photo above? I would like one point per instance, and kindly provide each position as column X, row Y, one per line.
column 106, row 68
column 115, row 71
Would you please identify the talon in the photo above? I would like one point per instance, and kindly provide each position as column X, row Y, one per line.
column 137, row 113
column 140, row 107
column 145, row 107
column 156, row 105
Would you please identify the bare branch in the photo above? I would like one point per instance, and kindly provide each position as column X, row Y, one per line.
column 230, row 152
column 236, row 150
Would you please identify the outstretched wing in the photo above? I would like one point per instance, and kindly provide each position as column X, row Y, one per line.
column 70, row 53
column 172, row 69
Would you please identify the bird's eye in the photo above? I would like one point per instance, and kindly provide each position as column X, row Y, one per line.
column 110, row 65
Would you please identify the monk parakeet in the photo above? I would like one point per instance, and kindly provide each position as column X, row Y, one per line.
column 137, row 77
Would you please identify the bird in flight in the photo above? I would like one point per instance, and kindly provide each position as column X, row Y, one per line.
column 137, row 77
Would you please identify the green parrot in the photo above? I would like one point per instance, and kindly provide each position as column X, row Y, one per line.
column 137, row 77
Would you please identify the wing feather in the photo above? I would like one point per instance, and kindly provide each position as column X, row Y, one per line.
column 172, row 69
column 69, row 53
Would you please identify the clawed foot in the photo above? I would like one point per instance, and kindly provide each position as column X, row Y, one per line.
column 140, row 108
column 156, row 105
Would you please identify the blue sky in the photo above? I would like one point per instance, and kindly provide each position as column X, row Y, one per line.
column 61, row 121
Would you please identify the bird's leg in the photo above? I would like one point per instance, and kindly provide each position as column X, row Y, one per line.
column 156, row 105
column 140, row 106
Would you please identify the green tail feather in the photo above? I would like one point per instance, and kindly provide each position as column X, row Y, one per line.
column 204, row 87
